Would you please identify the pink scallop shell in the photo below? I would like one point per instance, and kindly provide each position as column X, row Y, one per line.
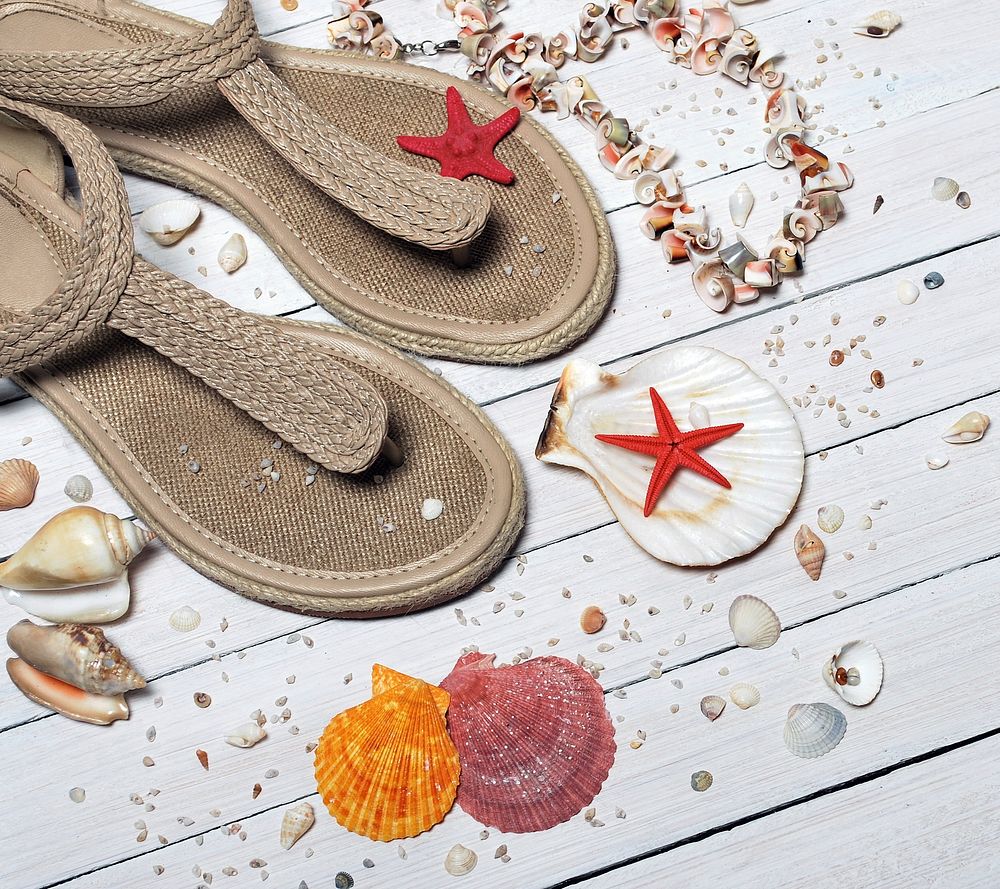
column 534, row 739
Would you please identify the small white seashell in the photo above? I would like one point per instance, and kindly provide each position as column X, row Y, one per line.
column 185, row 619
column 740, row 205
column 18, row 480
column 744, row 695
column 814, row 729
column 459, row 861
column 907, row 292
column 969, row 428
column 944, row 189
column 753, row 622
column 168, row 222
column 96, row 604
column 855, row 672
column 712, row 707
column 78, row 488
column 431, row 509
column 830, row 518
column 936, row 461
column 698, row 416
column 233, row 253
column 246, row 735
column 295, row 822
column 879, row 24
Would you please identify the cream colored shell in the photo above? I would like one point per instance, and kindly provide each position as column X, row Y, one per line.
column 696, row 522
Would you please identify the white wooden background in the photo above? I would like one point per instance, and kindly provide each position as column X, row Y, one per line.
column 909, row 797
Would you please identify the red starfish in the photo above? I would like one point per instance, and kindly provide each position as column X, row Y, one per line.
column 464, row 148
column 673, row 449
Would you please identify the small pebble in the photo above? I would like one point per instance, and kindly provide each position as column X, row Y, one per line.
column 933, row 280
column 431, row 509
column 78, row 794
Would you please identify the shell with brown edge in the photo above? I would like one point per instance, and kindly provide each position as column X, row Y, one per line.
column 386, row 769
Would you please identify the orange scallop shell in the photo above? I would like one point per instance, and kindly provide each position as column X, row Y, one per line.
column 387, row 769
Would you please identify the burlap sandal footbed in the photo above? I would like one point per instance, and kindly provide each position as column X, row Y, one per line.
column 347, row 544
column 510, row 303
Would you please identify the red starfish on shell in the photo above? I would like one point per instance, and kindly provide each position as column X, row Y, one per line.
column 464, row 148
column 673, row 449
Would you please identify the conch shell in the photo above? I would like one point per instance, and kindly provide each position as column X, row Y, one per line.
column 295, row 822
column 65, row 698
column 80, row 547
column 695, row 522
column 77, row 654
column 968, row 428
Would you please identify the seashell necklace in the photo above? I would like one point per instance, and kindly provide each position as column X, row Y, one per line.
column 523, row 67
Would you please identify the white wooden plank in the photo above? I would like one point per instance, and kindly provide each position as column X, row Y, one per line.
column 917, row 826
column 934, row 637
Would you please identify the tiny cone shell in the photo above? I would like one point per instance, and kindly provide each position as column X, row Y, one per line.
column 295, row 822
column 740, row 205
column 968, row 428
column 18, row 480
column 592, row 619
column 810, row 551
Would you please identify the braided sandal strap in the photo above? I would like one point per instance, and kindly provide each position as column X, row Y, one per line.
column 419, row 207
column 296, row 389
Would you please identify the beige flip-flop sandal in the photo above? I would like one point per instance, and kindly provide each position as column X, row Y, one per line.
column 471, row 269
column 189, row 406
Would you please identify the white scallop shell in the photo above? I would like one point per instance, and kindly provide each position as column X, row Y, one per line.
column 459, row 861
column 944, row 189
column 830, row 518
column 78, row 488
column 185, row 619
column 168, row 222
column 969, row 428
column 753, row 622
column 696, row 522
column 744, row 695
column 233, row 254
column 712, row 707
column 814, row 729
column 862, row 668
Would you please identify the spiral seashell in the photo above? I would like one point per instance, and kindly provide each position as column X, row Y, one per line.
column 246, row 735
column 18, row 480
column 764, row 72
column 788, row 254
column 460, row 861
column 184, row 619
column 168, row 222
column 879, row 24
column 712, row 707
column 968, row 428
column 714, row 285
column 740, row 205
column 81, row 546
column 810, row 551
column 294, row 824
column 744, row 695
column 854, row 672
column 738, row 56
column 674, row 247
column 630, row 164
column 78, row 488
column 78, row 654
column 647, row 187
column 813, row 730
column 753, row 622
column 830, row 518
column 233, row 254
column 64, row 698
